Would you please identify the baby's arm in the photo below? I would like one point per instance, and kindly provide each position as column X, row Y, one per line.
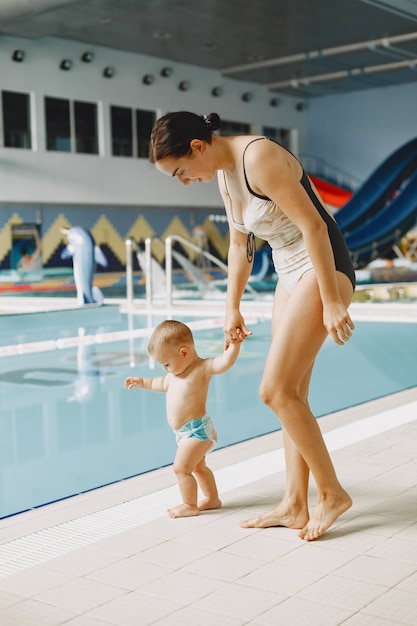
column 220, row 364
column 151, row 384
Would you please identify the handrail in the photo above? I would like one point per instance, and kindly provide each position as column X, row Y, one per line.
column 193, row 246
column 130, row 247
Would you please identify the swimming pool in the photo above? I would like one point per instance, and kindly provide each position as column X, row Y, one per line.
column 68, row 425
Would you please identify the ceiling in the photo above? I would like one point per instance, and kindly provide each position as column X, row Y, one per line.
column 304, row 48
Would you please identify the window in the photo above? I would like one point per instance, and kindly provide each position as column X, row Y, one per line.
column 234, row 128
column 58, row 130
column 16, row 120
column 121, row 131
column 281, row 135
column 131, row 131
column 85, row 119
column 144, row 124
column 71, row 126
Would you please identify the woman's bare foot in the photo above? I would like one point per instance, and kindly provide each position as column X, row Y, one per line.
column 281, row 515
column 209, row 503
column 183, row 510
column 325, row 513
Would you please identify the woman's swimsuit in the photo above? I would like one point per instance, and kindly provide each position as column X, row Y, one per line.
column 264, row 219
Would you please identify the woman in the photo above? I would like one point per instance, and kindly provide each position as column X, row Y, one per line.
column 267, row 194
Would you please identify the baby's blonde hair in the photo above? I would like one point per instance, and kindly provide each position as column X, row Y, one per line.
column 170, row 332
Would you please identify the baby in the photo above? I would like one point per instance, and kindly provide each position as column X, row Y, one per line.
column 186, row 385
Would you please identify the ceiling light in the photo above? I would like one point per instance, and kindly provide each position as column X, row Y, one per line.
column 18, row 56
column 161, row 35
column 87, row 57
column 148, row 79
column 209, row 47
column 108, row 72
column 247, row 96
column 166, row 72
column 66, row 64
column 184, row 85
column 275, row 102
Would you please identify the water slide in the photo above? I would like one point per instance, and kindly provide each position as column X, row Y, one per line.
column 383, row 209
column 379, row 187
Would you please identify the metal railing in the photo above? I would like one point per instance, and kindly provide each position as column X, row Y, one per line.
column 131, row 247
column 168, row 259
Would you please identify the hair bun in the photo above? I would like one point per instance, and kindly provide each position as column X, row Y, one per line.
column 212, row 121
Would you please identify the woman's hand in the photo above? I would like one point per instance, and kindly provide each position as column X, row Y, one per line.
column 235, row 330
column 338, row 322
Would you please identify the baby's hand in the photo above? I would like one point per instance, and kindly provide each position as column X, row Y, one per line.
column 132, row 382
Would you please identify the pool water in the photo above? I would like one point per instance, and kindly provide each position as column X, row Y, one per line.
column 68, row 425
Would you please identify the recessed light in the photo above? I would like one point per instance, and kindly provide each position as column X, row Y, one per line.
column 161, row 34
column 209, row 47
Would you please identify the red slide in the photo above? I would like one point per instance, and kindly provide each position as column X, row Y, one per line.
column 331, row 194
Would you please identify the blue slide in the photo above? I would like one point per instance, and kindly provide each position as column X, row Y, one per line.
column 384, row 209
column 378, row 188
column 376, row 237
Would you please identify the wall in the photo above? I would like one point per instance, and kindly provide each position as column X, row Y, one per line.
column 45, row 177
column 356, row 131
column 115, row 197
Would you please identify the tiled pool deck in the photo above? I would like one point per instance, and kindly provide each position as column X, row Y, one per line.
column 113, row 557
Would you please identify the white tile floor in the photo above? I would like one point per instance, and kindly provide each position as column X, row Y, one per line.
column 113, row 557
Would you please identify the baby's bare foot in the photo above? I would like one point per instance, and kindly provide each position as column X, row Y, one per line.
column 281, row 515
column 325, row 513
column 183, row 510
column 209, row 503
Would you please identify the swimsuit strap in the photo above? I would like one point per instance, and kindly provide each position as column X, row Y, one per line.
column 253, row 193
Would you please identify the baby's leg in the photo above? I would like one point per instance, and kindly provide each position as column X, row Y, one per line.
column 189, row 455
column 205, row 478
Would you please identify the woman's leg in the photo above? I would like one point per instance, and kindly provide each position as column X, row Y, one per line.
column 295, row 344
column 292, row 511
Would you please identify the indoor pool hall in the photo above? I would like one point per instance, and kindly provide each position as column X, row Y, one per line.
column 245, row 164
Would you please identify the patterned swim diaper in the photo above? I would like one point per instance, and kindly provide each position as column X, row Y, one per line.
column 201, row 428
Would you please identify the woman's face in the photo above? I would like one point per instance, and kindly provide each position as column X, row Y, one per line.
column 193, row 168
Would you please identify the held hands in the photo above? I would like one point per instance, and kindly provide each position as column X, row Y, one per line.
column 132, row 382
column 235, row 330
column 338, row 323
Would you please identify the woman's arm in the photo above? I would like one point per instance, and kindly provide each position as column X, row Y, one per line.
column 239, row 269
column 277, row 174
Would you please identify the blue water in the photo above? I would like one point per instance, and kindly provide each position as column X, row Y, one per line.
column 67, row 424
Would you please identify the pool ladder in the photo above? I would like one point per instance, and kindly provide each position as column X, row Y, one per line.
column 132, row 247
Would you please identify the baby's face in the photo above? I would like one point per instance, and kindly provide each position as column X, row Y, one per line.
column 173, row 360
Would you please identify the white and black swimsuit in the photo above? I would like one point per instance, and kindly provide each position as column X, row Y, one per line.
column 264, row 219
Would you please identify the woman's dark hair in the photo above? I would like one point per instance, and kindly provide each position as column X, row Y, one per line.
column 173, row 133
